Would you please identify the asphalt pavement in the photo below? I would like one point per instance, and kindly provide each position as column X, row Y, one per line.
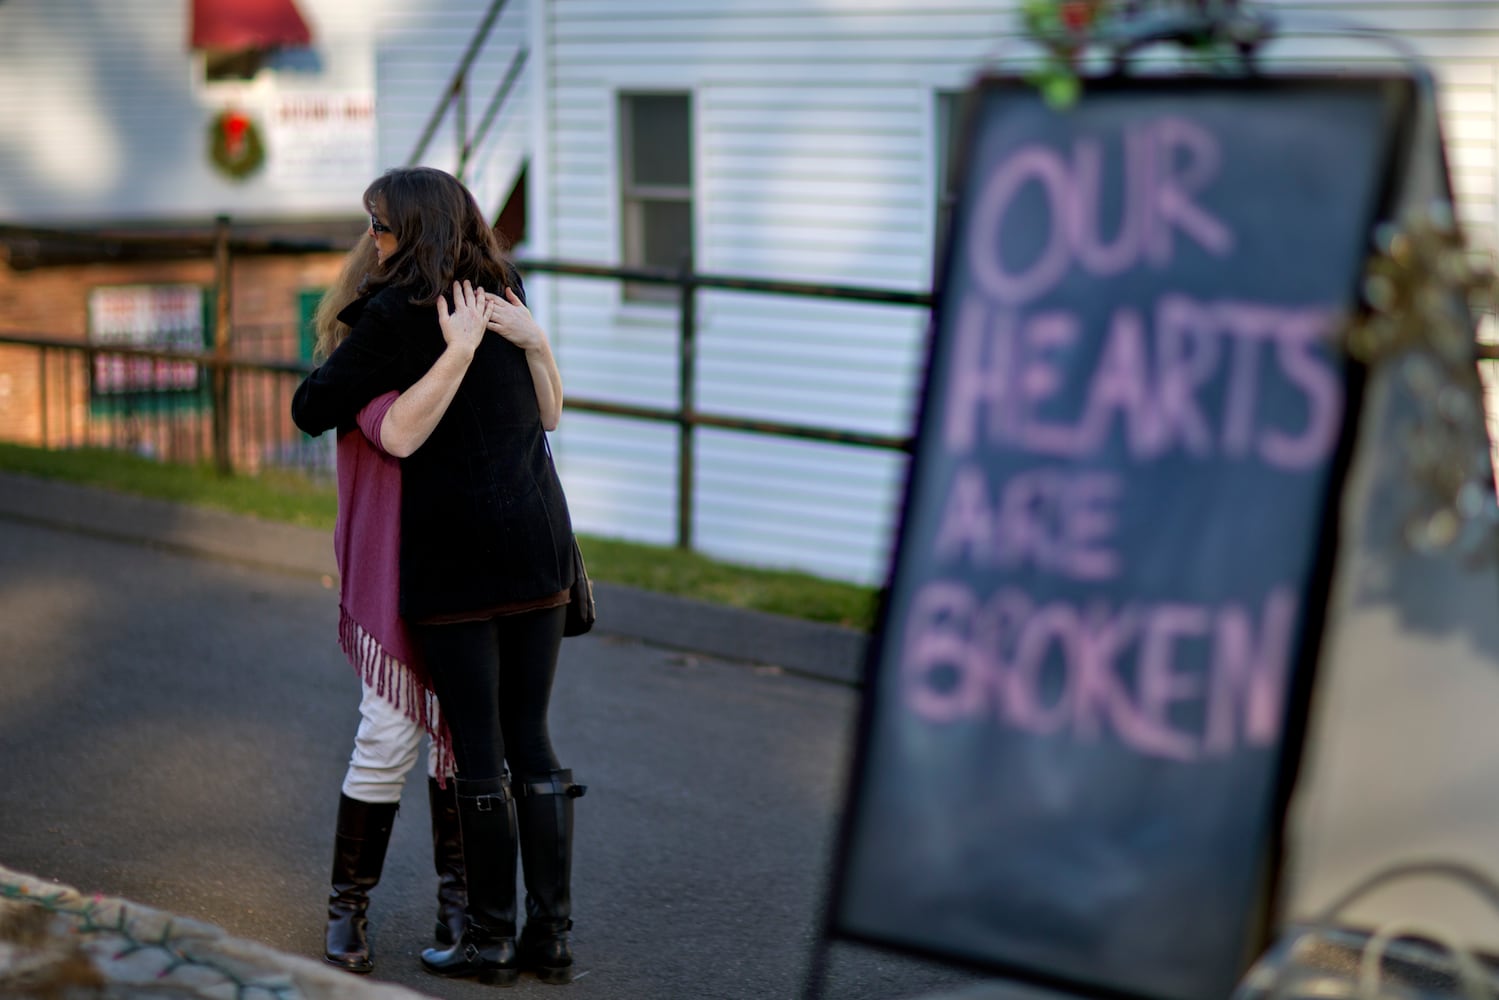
column 176, row 717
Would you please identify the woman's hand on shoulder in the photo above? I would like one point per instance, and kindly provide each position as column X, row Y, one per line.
column 509, row 317
column 463, row 327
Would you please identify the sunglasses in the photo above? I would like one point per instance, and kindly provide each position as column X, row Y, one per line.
column 377, row 227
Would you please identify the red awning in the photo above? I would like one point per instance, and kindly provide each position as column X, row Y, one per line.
column 234, row 25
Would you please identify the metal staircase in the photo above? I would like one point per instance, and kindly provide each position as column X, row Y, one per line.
column 487, row 157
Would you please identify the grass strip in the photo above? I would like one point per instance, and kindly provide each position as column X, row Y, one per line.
column 291, row 498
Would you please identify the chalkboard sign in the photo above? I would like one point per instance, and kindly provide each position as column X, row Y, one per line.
column 1085, row 694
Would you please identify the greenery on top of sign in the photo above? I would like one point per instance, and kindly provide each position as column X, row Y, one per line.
column 1215, row 35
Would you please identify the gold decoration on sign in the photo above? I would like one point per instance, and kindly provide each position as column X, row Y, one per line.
column 1422, row 289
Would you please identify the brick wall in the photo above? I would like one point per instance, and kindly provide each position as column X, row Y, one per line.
column 52, row 302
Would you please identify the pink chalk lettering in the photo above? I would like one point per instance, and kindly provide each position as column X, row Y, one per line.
column 1187, row 353
column 1092, row 503
column 1059, row 521
column 1044, row 337
column 983, row 359
column 1249, row 326
column 1053, row 670
column 939, row 677
column 1166, row 166
column 995, row 635
column 1022, row 515
column 1101, row 694
column 997, row 627
column 1153, row 381
column 1031, row 163
column 1086, row 218
column 1161, row 684
column 1122, row 384
column 968, row 522
column 1023, row 706
column 1050, row 519
column 1173, row 192
column 1246, row 700
column 1298, row 337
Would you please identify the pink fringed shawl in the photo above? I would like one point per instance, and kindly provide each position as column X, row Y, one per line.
column 367, row 545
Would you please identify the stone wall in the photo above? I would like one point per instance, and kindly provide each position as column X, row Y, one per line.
column 56, row 944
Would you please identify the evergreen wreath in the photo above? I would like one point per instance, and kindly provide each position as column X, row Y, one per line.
column 234, row 144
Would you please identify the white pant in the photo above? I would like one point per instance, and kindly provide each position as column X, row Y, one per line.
column 385, row 749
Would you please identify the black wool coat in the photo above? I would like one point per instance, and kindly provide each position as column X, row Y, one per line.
column 484, row 521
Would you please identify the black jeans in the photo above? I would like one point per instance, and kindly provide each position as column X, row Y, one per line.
column 494, row 686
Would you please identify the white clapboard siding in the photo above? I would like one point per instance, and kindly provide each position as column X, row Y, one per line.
column 419, row 47
column 1458, row 40
column 836, row 375
column 620, row 485
column 753, row 524
column 104, row 112
column 815, row 160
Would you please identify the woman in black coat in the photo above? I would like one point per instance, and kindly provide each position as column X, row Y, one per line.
column 486, row 545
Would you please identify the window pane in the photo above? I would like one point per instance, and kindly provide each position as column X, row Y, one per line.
column 660, row 147
column 667, row 232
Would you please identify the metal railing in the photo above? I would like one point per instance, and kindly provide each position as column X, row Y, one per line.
column 178, row 407
column 455, row 96
column 686, row 415
column 236, row 414
column 235, row 410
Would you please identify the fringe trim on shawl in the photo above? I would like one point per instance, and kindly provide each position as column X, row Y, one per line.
column 405, row 688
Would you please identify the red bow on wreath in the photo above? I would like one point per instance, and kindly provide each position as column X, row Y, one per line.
column 235, row 126
column 234, row 144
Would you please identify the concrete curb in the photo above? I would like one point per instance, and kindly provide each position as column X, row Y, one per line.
column 163, row 524
column 826, row 652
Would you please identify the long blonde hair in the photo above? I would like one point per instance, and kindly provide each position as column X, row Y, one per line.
column 345, row 289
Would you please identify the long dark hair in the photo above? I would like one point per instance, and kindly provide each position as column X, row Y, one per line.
column 441, row 235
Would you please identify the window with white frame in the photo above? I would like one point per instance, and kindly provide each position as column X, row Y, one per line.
column 655, row 158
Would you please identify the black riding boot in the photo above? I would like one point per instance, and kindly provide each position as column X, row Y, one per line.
column 544, row 811
column 486, row 948
column 358, row 857
column 447, row 858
